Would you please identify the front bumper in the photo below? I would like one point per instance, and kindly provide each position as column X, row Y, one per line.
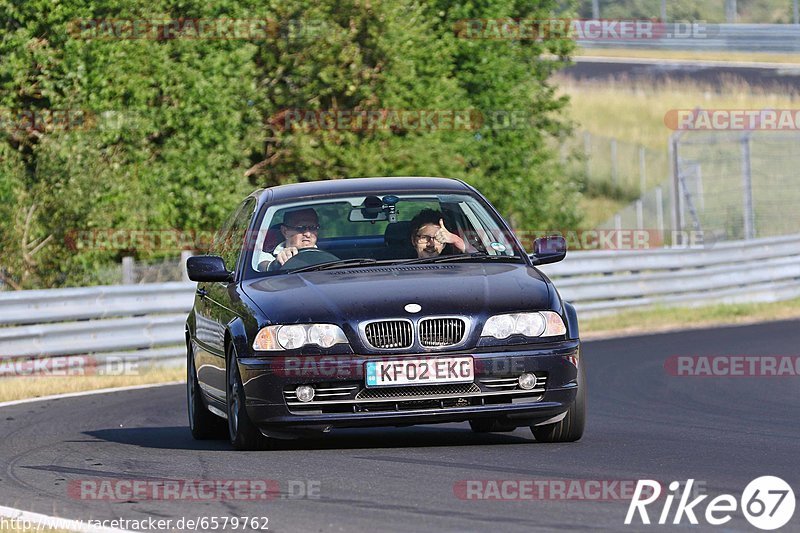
column 343, row 400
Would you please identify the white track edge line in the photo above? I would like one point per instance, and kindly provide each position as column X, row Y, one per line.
column 87, row 393
column 51, row 522
column 44, row 522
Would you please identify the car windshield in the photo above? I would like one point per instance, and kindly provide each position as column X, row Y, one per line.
column 342, row 232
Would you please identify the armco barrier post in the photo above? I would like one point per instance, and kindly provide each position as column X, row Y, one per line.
column 127, row 270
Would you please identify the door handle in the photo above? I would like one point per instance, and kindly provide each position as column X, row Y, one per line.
column 201, row 292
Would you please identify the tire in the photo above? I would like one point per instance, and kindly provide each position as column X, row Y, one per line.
column 489, row 425
column 244, row 435
column 571, row 427
column 203, row 424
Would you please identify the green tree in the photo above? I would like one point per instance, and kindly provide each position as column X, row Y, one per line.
column 175, row 130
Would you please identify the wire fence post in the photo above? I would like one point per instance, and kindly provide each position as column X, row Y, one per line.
column 701, row 194
column 639, row 214
column 642, row 170
column 747, row 189
column 614, row 170
column 677, row 223
column 587, row 153
column 730, row 11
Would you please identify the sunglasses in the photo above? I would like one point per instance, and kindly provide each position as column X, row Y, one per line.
column 302, row 229
column 425, row 238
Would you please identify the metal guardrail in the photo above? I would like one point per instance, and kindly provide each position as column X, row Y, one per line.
column 712, row 36
column 36, row 307
column 762, row 270
column 145, row 322
column 129, row 323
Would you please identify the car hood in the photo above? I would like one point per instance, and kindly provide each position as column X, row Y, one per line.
column 355, row 294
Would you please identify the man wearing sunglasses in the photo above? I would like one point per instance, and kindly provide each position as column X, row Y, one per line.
column 300, row 229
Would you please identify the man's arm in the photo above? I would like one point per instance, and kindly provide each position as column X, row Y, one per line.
column 264, row 260
column 445, row 237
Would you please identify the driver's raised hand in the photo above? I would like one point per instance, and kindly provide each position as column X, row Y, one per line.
column 286, row 254
column 445, row 237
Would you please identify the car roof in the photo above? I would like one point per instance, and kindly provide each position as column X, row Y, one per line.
column 376, row 186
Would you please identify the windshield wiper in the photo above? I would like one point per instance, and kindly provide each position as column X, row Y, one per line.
column 341, row 263
column 358, row 261
column 462, row 257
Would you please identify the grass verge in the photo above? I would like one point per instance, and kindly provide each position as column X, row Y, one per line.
column 755, row 57
column 633, row 112
column 676, row 318
column 17, row 388
column 596, row 209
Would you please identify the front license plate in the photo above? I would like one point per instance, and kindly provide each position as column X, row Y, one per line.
column 419, row 371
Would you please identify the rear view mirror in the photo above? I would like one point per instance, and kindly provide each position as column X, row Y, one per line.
column 207, row 268
column 549, row 250
column 372, row 210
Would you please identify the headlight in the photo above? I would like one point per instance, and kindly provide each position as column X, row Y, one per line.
column 325, row 335
column 499, row 326
column 541, row 324
column 290, row 337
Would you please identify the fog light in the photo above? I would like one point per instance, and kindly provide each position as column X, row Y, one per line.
column 527, row 381
column 305, row 393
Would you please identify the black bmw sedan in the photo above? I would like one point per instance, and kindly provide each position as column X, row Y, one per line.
column 378, row 302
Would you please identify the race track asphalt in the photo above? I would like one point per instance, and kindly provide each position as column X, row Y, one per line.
column 713, row 74
column 643, row 424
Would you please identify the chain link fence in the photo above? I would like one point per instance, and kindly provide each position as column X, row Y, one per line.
column 729, row 185
column 610, row 167
column 740, row 185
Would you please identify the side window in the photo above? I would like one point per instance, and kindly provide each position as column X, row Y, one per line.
column 222, row 235
column 234, row 232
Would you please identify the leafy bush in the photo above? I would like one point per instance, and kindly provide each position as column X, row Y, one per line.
column 173, row 131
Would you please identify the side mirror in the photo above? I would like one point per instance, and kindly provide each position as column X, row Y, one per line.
column 207, row 268
column 549, row 250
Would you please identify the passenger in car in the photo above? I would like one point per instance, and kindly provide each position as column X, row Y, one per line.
column 431, row 238
column 300, row 229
